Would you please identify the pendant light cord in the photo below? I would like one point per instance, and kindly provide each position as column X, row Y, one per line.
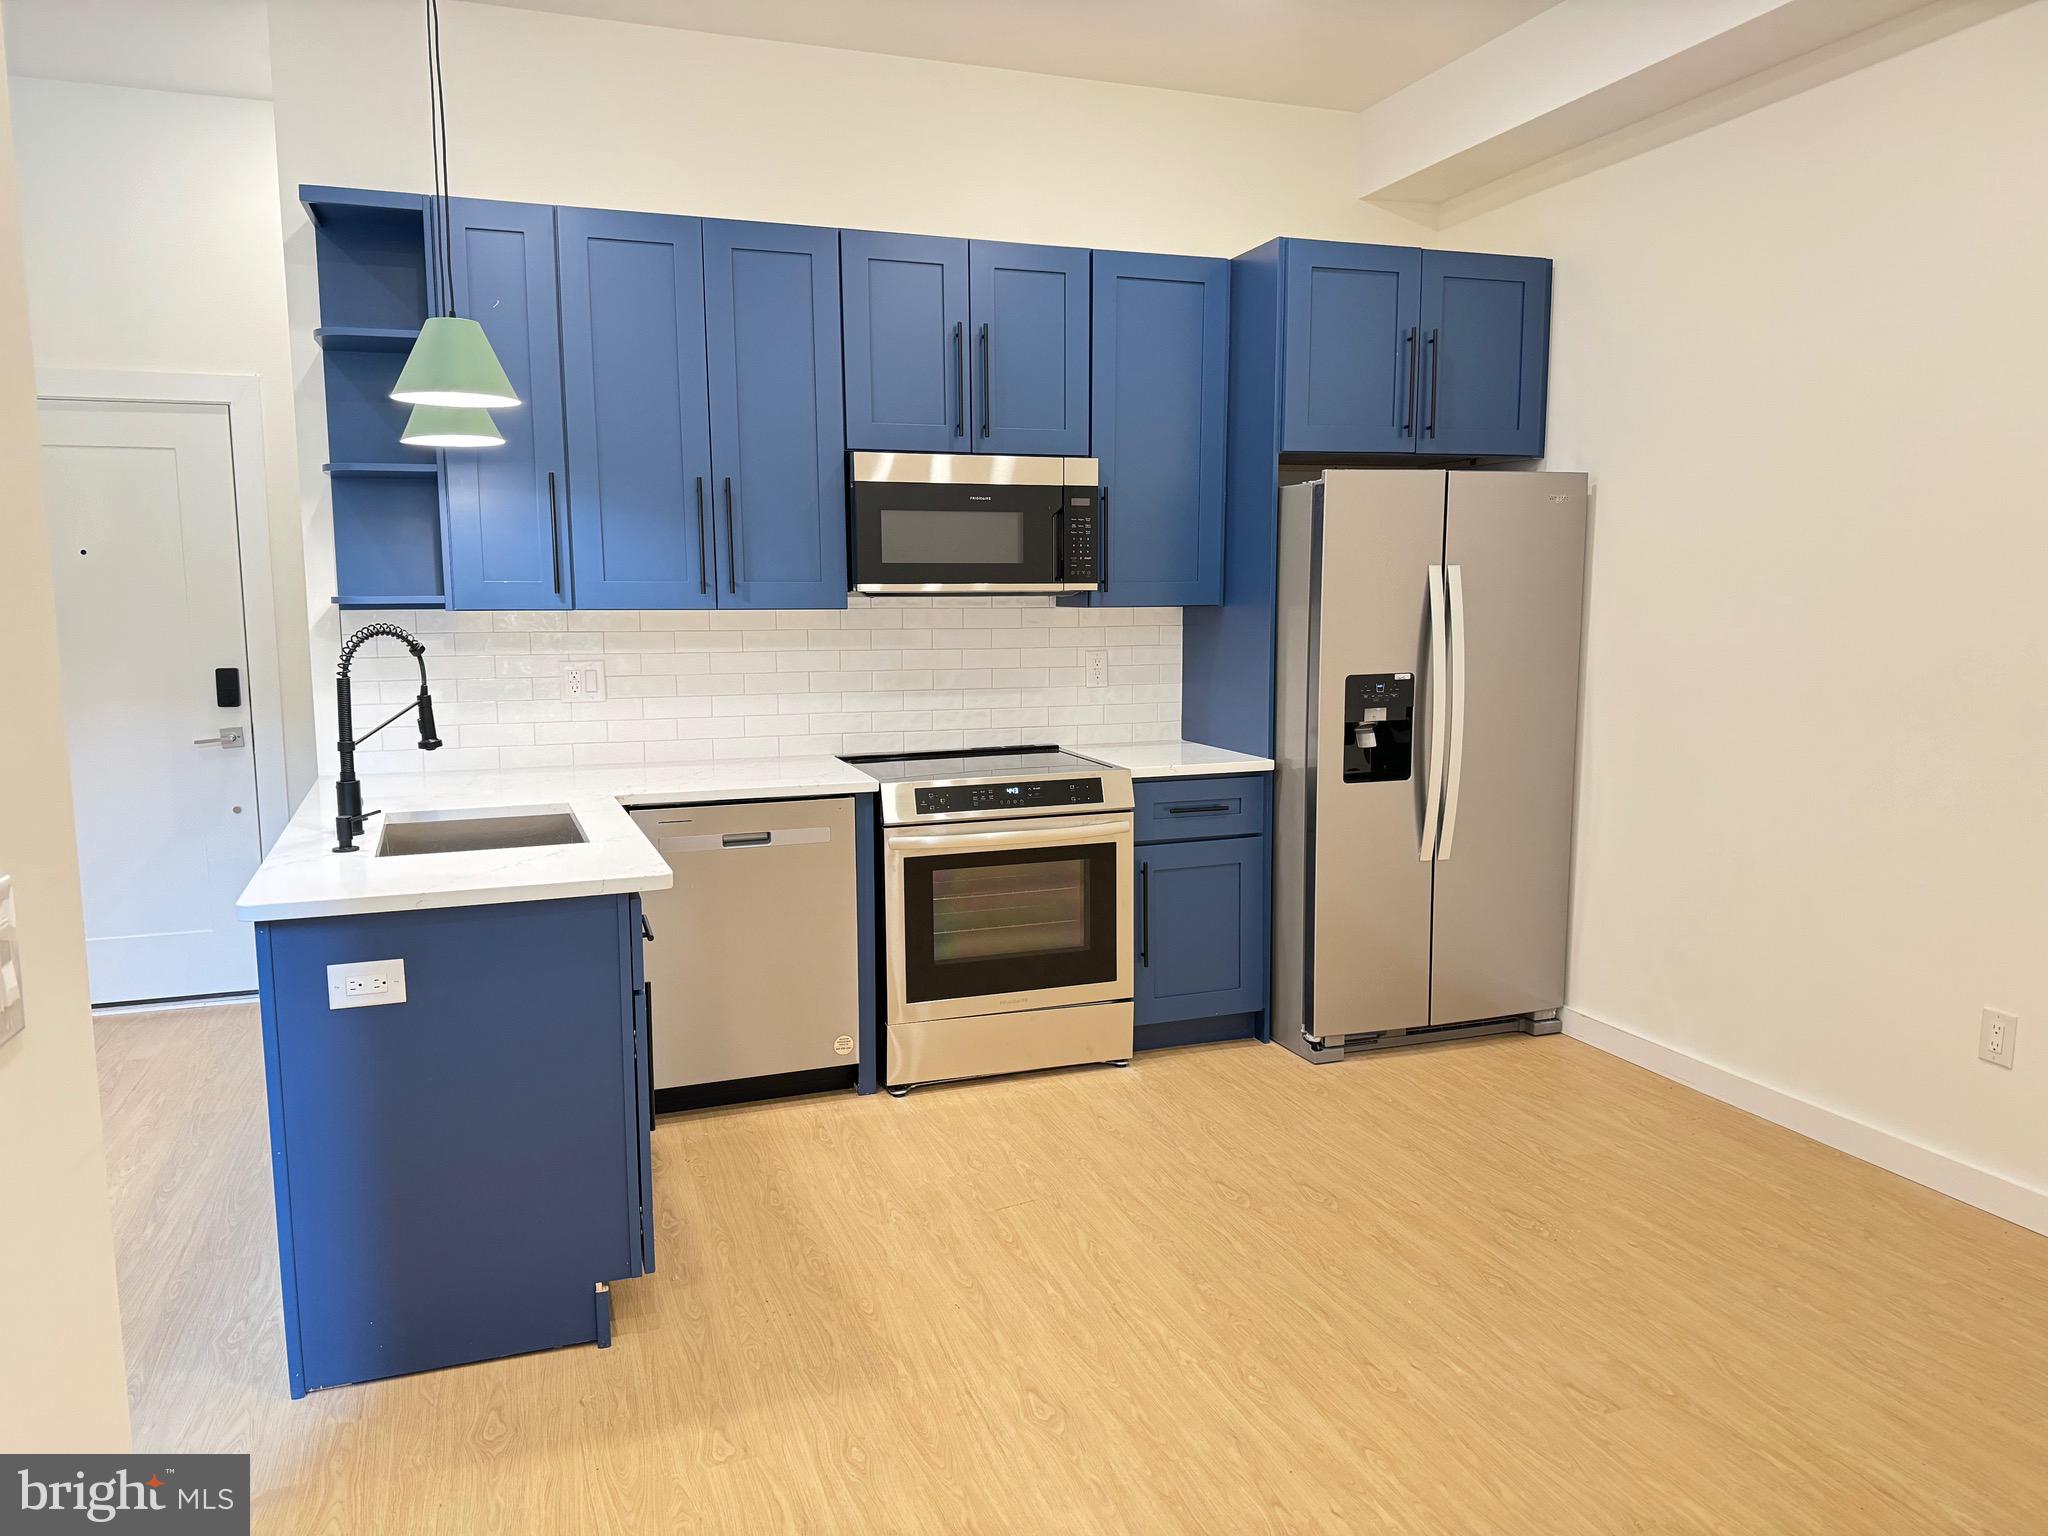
column 437, row 102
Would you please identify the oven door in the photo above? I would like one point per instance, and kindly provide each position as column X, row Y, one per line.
column 1008, row 915
column 911, row 536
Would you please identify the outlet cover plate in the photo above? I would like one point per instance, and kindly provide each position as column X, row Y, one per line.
column 583, row 681
column 1098, row 668
column 1996, row 1035
column 366, row 984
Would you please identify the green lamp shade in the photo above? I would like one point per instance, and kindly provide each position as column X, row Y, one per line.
column 452, row 364
column 447, row 426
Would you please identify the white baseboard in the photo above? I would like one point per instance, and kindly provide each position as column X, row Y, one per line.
column 1994, row 1192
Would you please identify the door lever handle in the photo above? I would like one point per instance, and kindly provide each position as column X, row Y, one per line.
column 228, row 738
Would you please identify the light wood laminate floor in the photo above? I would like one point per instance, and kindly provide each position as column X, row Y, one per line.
column 1508, row 1286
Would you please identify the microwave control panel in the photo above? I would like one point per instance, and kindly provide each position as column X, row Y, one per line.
column 1078, row 556
column 996, row 795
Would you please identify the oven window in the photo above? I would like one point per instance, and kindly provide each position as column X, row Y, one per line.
column 940, row 536
column 1020, row 921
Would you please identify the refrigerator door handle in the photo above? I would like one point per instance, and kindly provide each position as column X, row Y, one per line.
column 1458, row 693
column 1433, row 783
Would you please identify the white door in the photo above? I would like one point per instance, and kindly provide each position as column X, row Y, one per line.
column 149, row 604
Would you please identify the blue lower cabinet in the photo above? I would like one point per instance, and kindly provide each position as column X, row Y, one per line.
column 458, row 1174
column 508, row 531
column 1202, row 936
column 778, row 421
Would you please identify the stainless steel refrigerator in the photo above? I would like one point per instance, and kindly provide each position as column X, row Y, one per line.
column 1427, row 727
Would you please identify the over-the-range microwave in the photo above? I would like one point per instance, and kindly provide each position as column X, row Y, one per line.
column 973, row 522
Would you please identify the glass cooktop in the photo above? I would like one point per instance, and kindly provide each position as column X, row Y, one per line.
column 998, row 764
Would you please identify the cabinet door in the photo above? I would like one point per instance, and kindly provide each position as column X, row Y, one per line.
column 1160, row 397
column 1485, row 353
column 906, row 341
column 1351, row 348
column 507, row 506
column 1029, row 310
column 1201, row 929
column 778, row 425
column 639, row 425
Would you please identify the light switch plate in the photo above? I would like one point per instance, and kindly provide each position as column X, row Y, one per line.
column 366, row 984
column 13, row 1011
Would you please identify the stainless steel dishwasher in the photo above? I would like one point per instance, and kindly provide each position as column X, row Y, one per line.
column 754, row 965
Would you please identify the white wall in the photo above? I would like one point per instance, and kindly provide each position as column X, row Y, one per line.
column 62, row 1380
column 554, row 109
column 151, row 233
column 1805, row 356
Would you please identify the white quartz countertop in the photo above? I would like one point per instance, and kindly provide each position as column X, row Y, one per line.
column 303, row 877
column 1170, row 759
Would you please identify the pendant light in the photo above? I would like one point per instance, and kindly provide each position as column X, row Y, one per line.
column 451, row 426
column 452, row 364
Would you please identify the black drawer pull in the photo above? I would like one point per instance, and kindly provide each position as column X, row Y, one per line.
column 1198, row 810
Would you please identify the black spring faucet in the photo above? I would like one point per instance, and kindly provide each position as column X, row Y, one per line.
column 349, row 815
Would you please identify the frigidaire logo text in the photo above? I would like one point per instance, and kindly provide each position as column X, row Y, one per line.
column 59, row 1493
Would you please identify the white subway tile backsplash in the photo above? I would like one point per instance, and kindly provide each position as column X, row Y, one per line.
column 885, row 675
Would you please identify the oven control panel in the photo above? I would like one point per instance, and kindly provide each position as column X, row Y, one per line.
column 996, row 795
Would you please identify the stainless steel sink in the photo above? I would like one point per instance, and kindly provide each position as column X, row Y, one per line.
column 407, row 833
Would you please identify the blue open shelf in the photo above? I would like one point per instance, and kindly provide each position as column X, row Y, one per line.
column 367, row 338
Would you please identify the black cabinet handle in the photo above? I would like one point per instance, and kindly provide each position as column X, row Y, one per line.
column 703, row 569
column 555, row 532
column 1145, row 918
column 647, row 1048
column 732, row 550
column 1408, row 398
column 959, row 379
column 1435, row 368
column 646, row 932
column 984, row 378
column 1197, row 810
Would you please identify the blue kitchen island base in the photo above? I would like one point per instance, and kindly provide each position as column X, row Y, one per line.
column 458, row 1175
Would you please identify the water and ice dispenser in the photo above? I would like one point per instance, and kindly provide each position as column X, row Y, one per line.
column 1379, row 727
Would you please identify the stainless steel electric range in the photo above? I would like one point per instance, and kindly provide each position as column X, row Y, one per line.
column 1007, row 897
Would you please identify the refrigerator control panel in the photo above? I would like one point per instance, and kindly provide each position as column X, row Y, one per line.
column 1379, row 727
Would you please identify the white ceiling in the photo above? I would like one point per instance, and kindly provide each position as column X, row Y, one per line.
column 212, row 47
column 1318, row 53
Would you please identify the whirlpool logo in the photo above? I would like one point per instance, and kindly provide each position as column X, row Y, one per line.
column 188, row 1496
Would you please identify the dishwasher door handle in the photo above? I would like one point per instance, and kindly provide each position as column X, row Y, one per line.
column 745, row 839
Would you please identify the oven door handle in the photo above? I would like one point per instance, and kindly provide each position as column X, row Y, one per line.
column 1056, row 832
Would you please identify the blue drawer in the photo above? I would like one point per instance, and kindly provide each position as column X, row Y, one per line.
column 1170, row 810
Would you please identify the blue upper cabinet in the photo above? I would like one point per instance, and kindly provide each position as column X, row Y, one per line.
column 1485, row 351
column 1351, row 346
column 778, row 420
column 639, row 425
column 1029, row 348
column 507, row 517
column 1160, row 400
column 906, row 341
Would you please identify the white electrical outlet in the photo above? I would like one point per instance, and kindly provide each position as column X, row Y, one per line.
column 583, row 680
column 366, row 984
column 1996, row 1036
column 1098, row 668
